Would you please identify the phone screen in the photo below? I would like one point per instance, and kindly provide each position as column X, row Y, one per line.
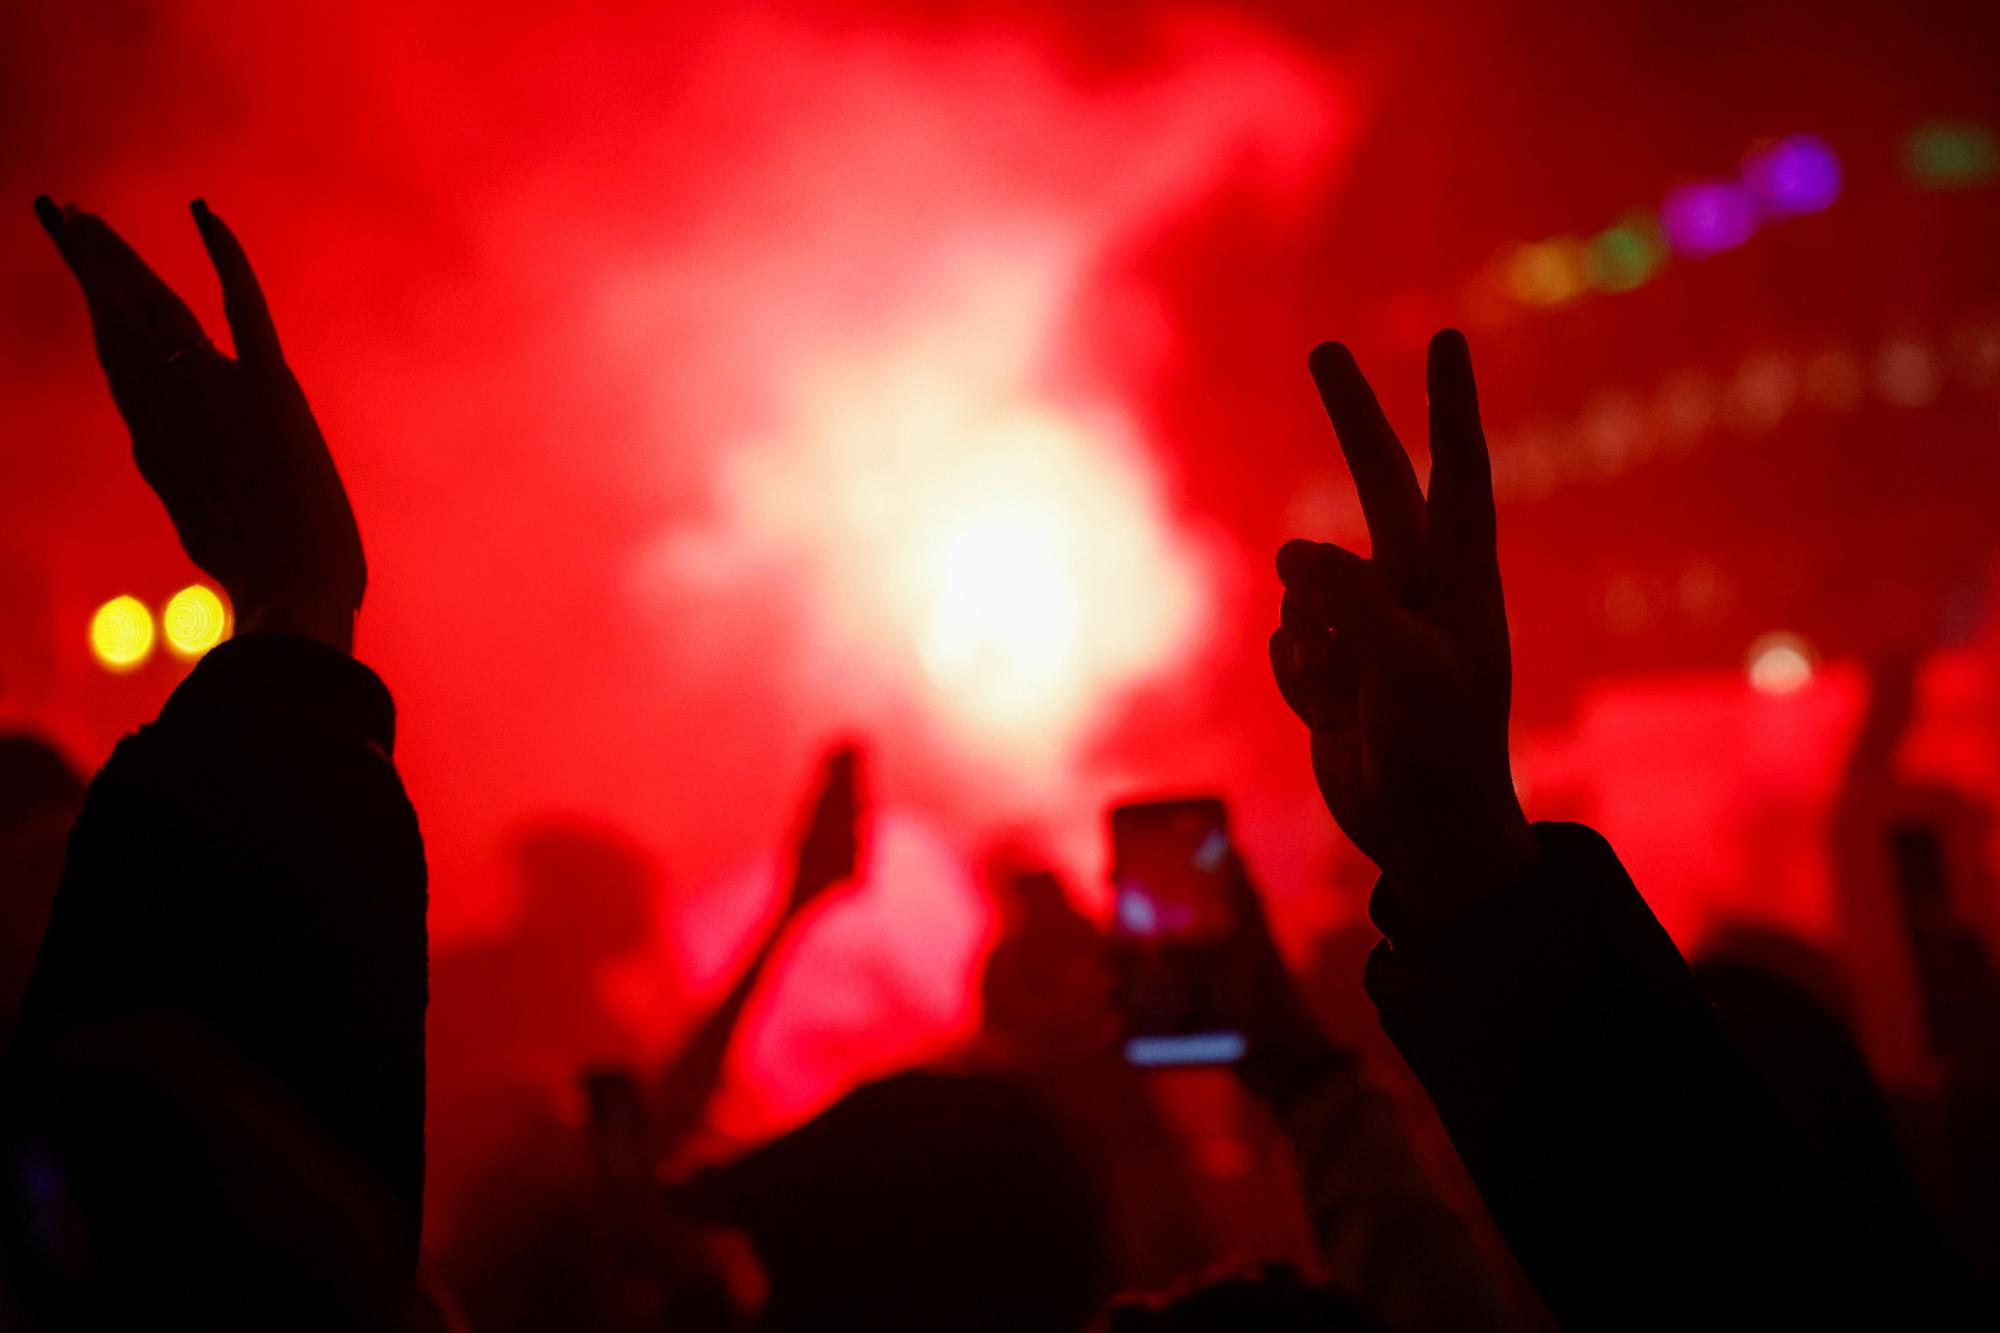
column 1169, row 867
column 1170, row 870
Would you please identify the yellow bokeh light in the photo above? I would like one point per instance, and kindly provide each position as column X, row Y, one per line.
column 195, row 620
column 1547, row 273
column 121, row 634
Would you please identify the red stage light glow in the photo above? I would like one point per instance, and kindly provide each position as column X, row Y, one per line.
column 710, row 379
column 1006, row 562
column 972, row 531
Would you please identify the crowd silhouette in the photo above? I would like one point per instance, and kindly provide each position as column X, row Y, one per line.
column 215, row 1087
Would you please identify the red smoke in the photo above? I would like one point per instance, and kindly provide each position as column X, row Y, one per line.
column 708, row 382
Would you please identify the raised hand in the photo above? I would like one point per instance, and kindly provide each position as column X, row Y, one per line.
column 1288, row 1048
column 228, row 443
column 1399, row 663
column 830, row 846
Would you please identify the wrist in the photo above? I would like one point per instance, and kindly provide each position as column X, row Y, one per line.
column 1457, row 876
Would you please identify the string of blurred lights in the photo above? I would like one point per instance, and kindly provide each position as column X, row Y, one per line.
column 122, row 633
column 1775, row 181
column 1618, row 430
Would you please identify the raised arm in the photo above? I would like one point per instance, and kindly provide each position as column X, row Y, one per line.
column 828, row 851
column 227, row 443
column 246, row 882
column 1635, row 1167
column 1387, row 1237
column 1399, row 663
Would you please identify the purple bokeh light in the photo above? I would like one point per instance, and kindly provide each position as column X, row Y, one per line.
column 1708, row 217
column 1799, row 174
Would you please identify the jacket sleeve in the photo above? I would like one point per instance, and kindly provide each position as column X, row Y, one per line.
column 248, row 867
column 1633, row 1163
column 1388, row 1239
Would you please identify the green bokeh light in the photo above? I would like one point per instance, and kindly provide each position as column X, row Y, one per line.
column 1947, row 154
column 1626, row 255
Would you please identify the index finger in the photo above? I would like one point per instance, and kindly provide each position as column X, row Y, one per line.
column 1391, row 500
column 119, row 283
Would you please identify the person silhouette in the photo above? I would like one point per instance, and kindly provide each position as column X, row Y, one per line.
column 557, row 1226
column 1635, row 1165
column 39, row 797
column 1914, row 893
column 513, row 1018
column 1047, row 984
column 933, row 1198
column 218, row 1068
column 1786, row 1007
column 1049, row 1024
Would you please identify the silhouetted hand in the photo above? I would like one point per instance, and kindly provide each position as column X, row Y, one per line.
column 828, row 851
column 1287, row 1046
column 830, row 846
column 1399, row 664
column 228, row 444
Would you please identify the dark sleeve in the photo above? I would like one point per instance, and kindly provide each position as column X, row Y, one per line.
column 248, row 868
column 1388, row 1239
column 1632, row 1161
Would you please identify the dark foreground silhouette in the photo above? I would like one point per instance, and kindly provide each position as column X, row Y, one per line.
column 1639, row 1170
column 216, row 1086
column 214, row 1093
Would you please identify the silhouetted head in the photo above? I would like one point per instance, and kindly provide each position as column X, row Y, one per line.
column 1271, row 1299
column 1038, row 897
column 1015, row 873
column 1783, row 1005
column 548, row 1241
column 921, row 1202
column 587, row 892
column 1048, row 986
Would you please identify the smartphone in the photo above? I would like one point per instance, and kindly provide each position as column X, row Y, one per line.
column 618, row 1123
column 1920, row 878
column 1174, row 915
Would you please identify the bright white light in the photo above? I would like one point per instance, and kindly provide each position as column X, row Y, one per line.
column 1003, row 554
column 1780, row 664
column 924, row 321
column 1005, row 615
